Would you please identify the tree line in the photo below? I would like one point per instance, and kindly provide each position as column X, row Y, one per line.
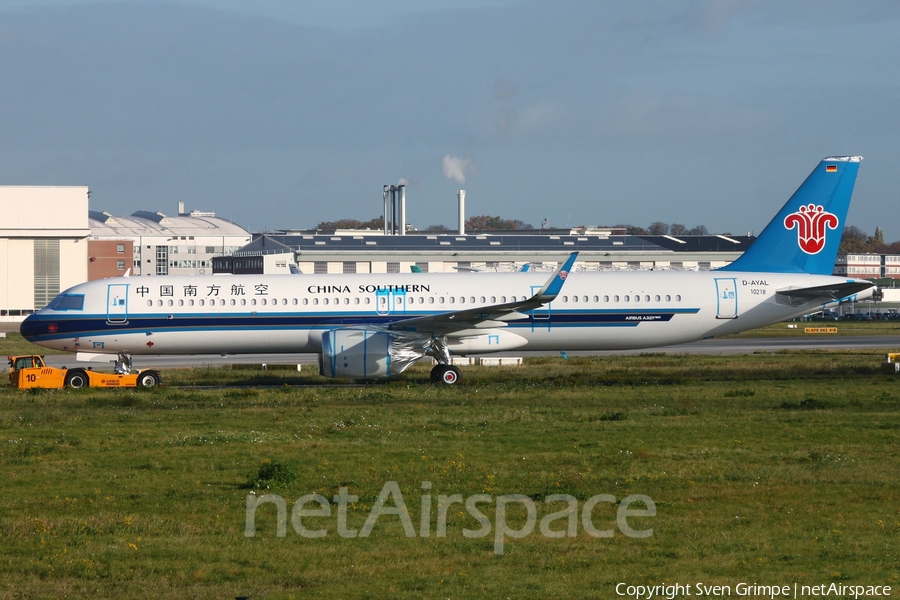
column 475, row 223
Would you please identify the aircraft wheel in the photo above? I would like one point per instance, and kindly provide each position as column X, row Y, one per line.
column 148, row 379
column 451, row 375
column 437, row 372
column 76, row 380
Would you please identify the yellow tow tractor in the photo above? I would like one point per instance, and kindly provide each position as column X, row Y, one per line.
column 29, row 371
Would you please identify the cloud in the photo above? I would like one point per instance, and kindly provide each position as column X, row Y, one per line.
column 455, row 168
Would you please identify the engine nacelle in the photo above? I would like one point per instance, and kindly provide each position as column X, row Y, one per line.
column 368, row 353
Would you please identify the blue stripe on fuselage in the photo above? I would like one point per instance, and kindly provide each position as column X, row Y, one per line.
column 37, row 326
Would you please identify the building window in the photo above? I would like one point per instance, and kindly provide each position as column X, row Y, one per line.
column 349, row 266
column 46, row 271
column 393, row 267
column 120, row 248
column 120, row 265
column 423, row 266
column 320, row 267
column 162, row 260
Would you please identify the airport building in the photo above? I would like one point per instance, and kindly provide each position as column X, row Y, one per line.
column 44, row 236
column 373, row 252
column 868, row 266
column 151, row 243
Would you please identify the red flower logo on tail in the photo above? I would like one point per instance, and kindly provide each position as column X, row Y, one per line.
column 811, row 222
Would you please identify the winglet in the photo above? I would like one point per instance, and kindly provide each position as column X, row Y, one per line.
column 551, row 289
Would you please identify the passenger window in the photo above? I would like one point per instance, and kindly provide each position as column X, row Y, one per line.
column 315, row 301
column 668, row 298
column 452, row 300
column 181, row 303
column 493, row 299
column 149, row 302
column 190, row 302
column 657, row 297
column 431, row 301
column 564, row 299
column 356, row 300
column 243, row 302
column 399, row 301
column 462, row 300
column 472, row 299
column 627, row 298
column 678, row 298
column 615, row 298
column 502, row 298
column 233, row 301
column 368, row 300
column 305, row 301
column 606, row 298
column 346, row 300
column 646, row 298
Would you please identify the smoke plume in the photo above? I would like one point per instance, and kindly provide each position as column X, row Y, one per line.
column 455, row 168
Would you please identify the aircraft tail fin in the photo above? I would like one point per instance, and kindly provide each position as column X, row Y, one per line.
column 805, row 234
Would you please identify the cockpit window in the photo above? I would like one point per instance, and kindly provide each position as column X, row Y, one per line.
column 67, row 302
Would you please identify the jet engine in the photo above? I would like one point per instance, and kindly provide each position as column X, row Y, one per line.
column 369, row 353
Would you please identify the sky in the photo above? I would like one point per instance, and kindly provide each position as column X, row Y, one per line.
column 281, row 114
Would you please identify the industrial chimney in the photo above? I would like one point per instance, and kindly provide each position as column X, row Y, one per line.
column 462, row 211
column 401, row 190
column 387, row 209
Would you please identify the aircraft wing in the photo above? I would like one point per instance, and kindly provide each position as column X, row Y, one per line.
column 825, row 293
column 487, row 316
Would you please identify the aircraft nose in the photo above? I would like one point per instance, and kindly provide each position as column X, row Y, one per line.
column 32, row 327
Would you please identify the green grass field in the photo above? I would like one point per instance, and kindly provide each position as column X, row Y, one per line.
column 768, row 468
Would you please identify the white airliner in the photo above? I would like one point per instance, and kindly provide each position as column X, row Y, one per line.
column 374, row 326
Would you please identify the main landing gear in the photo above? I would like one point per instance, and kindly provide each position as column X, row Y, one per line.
column 444, row 371
column 448, row 374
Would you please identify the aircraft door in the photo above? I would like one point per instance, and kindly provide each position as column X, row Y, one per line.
column 390, row 302
column 399, row 299
column 117, row 303
column 383, row 302
column 726, row 298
